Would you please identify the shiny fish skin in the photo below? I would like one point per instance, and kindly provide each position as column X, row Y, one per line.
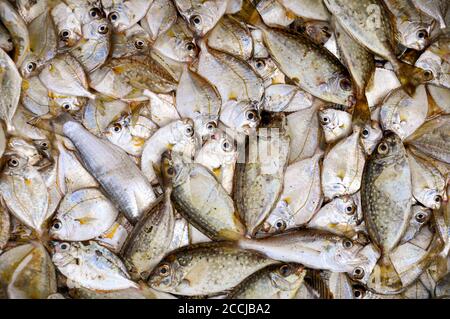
column 433, row 139
column 205, row 269
column 436, row 9
column 83, row 215
column 274, row 14
column 309, row 9
column 11, row 83
column 135, row 196
column 286, row 98
column 336, row 124
column 124, row 14
column 161, row 15
column 273, row 282
column 386, row 194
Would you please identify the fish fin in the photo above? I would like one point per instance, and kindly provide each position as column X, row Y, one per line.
column 314, row 281
column 361, row 111
column 249, row 14
column 54, row 125
column 410, row 76
column 385, row 277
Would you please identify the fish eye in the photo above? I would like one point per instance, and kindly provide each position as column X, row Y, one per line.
column 383, row 148
column 211, row 126
column 358, row 292
column 422, row 34
column 428, row 75
column 164, row 270
column 190, row 46
column 103, row 29
column 31, row 66
column 13, row 162
column 260, row 64
column 251, row 116
column 44, row 145
column 196, row 20
column 350, row 209
column 325, row 120
column 365, row 133
column 170, row 171
column 280, row 225
column 284, row 270
column 139, row 44
column 347, row 243
column 189, row 131
column 113, row 16
column 345, row 84
column 66, row 106
column 64, row 35
column 226, row 146
column 64, row 246
column 95, row 13
column 358, row 273
column 438, row 198
column 117, row 127
column 420, row 217
column 57, row 225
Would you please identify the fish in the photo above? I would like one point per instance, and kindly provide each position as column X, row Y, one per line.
column 161, row 15
column 371, row 135
column 268, row 70
column 177, row 43
column 118, row 175
column 11, row 84
column 258, row 180
column 419, row 218
column 67, row 25
column 280, row 281
column 83, row 215
column 98, row 114
column 151, row 239
column 91, row 266
column 124, row 14
column 300, row 199
column 432, row 138
column 130, row 133
column 240, row 116
column 131, row 42
column 368, row 23
column 30, row 10
column 65, row 75
column 314, row 249
column 386, row 198
column 5, row 39
column 231, row 36
column 343, row 177
column 27, row 272
column 336, row 124
column 200, row 101
column 341, row 216
column 178, row 136
column 412, row 28
column 205, row 269
column 18, row 30
column 274, row 14
column 200, row 15
column 404, row 114
column 309, row 9
column 201, row 199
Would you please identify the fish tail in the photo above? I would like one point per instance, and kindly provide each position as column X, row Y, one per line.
column 54, row 125
column 361, row 112
column 386, row 276
column 249, row 14
column 410, row 76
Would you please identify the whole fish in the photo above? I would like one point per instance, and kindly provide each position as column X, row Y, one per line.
column 91, row 266
column 258, row 180
column 368, row 23
column 10, row 84
column 433, row 139
column 151, row 239
column 205, row 269
column 119, row 177
column 26, row 272
column 201, row 199
column 300, row 199
column 386, row 198
column 178, row 136
column 83, row 215
column 280, row 281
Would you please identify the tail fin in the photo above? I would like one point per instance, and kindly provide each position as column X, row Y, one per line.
column 249, row 14
column 384, row 278
column 410, row 76
column 361, row 111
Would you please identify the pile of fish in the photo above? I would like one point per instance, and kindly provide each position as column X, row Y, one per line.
column 224, row 149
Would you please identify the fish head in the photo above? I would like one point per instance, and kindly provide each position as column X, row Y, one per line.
column 414, row 35
column 31, row 66
column 44, row 147
column 279, row 220
column 25, row 149
column 60, row 229
column 390, row 149
column 287, row 276
column 371, row 135
column 124, row 14
column 347, row 211
column 202, row 17
column 98, row 29
column 119, row 131
column 328, row 118
column 170, row 273
column 71, row 104
column 65, row 253
column 340, row 89
column 14, row 164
